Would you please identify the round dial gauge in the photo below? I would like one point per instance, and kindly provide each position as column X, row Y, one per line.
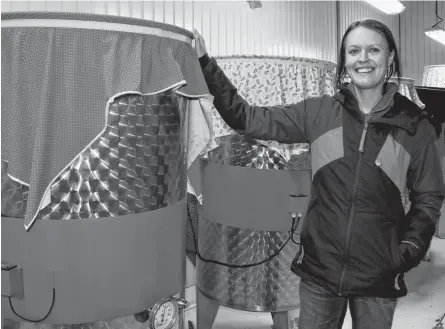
column 164, row 315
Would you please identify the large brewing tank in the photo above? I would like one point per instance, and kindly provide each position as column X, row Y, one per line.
column 246, row 188
column 95, row 140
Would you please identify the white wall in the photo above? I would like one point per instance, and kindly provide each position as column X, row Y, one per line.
column 280, row 28
column 356, row 10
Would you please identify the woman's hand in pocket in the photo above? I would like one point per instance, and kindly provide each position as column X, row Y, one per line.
column 410, row 256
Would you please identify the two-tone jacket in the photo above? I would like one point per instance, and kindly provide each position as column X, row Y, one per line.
column 356, row 238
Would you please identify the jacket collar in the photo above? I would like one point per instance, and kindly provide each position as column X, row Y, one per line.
column 392, row 109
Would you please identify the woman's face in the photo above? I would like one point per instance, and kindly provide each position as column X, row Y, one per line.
column 367, row 57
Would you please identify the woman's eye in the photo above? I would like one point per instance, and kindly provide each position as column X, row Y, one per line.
column 374, row 50
column 353, row 51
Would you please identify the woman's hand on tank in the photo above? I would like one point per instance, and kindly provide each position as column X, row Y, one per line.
column 200, row 45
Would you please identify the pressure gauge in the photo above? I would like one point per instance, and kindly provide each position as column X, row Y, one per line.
column 164, row 314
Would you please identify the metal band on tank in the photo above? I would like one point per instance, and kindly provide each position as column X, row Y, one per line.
column 250, row 198
column 91, row 25
column 100, row 268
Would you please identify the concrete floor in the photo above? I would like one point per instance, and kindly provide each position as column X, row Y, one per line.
column 422, row 308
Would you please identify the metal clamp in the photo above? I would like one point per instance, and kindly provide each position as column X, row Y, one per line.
column 182, row 303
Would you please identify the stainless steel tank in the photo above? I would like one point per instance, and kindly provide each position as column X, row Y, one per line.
column 269, row 287
column 95, row 140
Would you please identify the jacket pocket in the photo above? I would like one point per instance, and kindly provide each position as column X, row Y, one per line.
column 396, row 260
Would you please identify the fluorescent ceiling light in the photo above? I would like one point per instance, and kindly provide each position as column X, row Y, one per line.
column 437, row 34
column 390, row 7
column 255, row 4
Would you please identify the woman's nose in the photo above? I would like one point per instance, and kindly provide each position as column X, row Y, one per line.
column 363, row 57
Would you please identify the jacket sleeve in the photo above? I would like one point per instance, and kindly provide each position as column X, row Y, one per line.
column 285, row 124
column 427, row 193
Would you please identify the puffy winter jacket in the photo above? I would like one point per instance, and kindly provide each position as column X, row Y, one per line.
column 356, row 238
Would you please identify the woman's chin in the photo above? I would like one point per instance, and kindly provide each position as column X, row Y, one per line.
column 367, row 84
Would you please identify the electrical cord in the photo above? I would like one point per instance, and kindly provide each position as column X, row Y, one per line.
column 440, row 20
column 291, row 237
column 34, row 321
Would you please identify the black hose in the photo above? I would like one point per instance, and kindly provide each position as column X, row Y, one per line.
column 291, row 237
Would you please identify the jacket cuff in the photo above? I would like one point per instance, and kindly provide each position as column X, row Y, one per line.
column 411, row 255
column 204, row 60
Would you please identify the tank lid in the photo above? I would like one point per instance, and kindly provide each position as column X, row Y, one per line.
column 35, row 15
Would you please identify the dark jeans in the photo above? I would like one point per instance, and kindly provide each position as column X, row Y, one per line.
column 321, row 309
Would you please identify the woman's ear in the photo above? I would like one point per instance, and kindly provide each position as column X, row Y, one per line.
column 391, row 58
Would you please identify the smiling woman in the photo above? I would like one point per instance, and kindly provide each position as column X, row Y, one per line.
column 368, row 144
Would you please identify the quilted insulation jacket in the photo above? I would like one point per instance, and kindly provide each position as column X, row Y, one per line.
column 356, row 238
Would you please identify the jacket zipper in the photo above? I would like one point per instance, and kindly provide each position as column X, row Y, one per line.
column 352, row 209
